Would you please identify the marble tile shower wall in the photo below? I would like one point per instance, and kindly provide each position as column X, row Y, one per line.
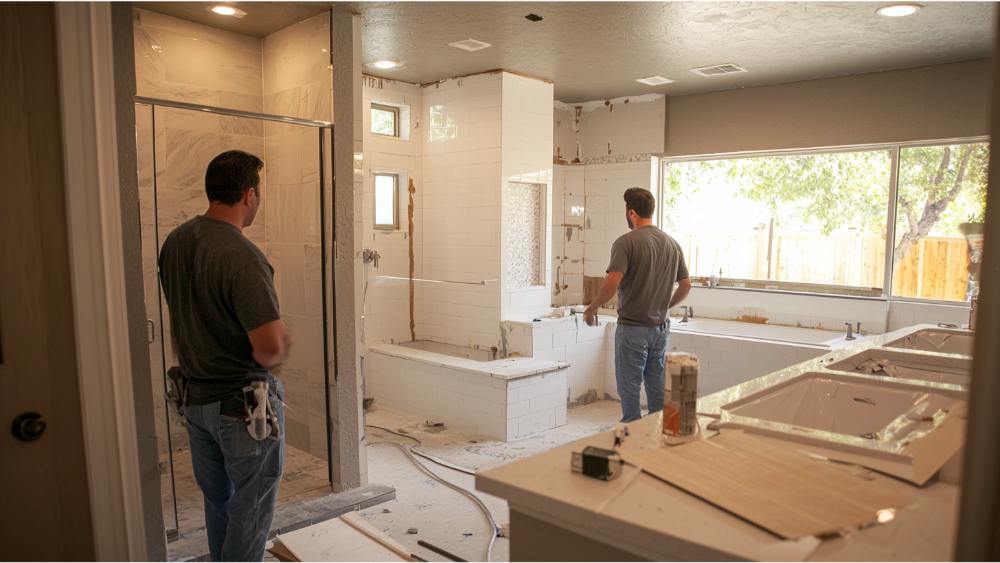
column 526, row 122
column 588, row 215
column 387, row 303
column 297, row 83
column 181, row 61
column 462, row 210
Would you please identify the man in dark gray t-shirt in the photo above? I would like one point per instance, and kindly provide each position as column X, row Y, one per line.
column 228, row 335
column 645, row 265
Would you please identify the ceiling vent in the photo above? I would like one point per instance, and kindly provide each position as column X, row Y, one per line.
column 654, row 80
column 470, row 45
column 716, row 70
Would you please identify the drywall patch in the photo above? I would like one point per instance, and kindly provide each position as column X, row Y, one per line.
column 587, row 107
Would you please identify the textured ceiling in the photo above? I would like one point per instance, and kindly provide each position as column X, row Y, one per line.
column 596, row 50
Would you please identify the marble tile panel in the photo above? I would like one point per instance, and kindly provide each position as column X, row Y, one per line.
column 317, row 394
column 191, row 30
column 318, row 444
column 290, row 158
column 144, row 146
column 307, row 347
column 272, row 213
column 169, row 218
column 313, row 282
column 148, row 46
column 187, row 158
column 293, row 292
column 242, row 102
column 272, row 158
column 296, row 431
column 209, row 65
column 164, row 90
column 173, row 118
column 314, row 31
column 310, row 154
column 242, row 126
column 290, row 205
column 317, row 101
column 296, row 390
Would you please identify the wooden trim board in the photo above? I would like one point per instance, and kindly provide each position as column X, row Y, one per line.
column 359, row 523
column 781, row 491
column 336, row 540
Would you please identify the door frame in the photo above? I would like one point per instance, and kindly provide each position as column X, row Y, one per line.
column 87, row 93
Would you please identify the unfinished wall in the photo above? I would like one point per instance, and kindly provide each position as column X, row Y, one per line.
column 387, row 302
column 929, row 102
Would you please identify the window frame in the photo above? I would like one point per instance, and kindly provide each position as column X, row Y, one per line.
column 395, row 119
column 894, row 152
column 395, row 202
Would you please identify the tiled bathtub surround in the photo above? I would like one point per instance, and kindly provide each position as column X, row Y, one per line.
column 503, row 399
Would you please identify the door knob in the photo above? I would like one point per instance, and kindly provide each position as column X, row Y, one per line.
column 29, row 426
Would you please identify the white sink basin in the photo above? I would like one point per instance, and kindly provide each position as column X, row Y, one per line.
column 914, row 366
column 942, row 340
column 856, row 411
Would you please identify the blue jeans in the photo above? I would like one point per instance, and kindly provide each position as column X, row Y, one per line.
column 238, row 476
column 640, row 356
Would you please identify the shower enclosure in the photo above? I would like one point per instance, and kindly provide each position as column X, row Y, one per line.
column 293, row 227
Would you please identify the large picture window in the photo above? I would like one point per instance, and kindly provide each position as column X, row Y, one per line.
column 819, row 222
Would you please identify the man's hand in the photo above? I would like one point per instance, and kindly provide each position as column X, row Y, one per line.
column 590, row 317
column 271, row 343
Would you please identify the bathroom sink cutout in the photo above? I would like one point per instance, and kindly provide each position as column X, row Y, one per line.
column 939, row 340
column 913, row 366
column 868, row 415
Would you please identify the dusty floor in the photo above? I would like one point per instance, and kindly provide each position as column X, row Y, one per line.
column 445, row 517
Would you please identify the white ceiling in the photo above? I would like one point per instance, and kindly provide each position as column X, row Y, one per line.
column 596, row 50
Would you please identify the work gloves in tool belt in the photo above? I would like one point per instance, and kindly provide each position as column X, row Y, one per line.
column 261, row 420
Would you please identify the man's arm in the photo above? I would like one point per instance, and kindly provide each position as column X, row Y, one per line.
column 683, row 288
column 607, row 290
column 271, row 343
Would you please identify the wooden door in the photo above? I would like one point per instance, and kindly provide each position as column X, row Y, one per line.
column 43, row 483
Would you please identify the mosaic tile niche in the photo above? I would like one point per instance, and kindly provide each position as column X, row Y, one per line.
column 524, row 234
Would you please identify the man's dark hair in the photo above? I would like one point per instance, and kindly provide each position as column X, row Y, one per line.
column 641, row 201
column 230, row 175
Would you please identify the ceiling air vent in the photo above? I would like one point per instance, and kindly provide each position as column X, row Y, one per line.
column 654, row 80
column 470, row 45
column 716, row 70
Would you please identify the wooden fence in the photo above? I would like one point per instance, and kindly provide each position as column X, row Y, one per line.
column 935, row 268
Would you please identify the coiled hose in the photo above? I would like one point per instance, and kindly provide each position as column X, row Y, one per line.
column 409, row 454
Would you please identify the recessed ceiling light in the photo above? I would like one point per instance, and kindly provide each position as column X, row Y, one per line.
column 384, row 64
column 224, row 10
column 654, row 80
column 899, row 10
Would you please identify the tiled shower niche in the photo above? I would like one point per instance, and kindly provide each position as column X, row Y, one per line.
column 525, row 234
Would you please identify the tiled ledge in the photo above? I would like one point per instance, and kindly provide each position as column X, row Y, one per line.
column 506, row 369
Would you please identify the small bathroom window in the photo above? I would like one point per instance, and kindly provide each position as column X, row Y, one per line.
column 386, row 201
column 385, row 120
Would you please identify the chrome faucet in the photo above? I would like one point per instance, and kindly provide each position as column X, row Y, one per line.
column 849, row 335
column 688, row 313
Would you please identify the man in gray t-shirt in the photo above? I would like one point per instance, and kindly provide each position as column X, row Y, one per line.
column 645, row 265
column 228, row 336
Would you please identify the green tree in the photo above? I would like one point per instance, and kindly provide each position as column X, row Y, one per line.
column 938, row 188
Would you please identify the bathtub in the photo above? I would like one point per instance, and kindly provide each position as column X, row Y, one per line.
column 828, row 339
column 462, row 387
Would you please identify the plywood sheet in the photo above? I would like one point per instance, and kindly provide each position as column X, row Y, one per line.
column 781, row 491
column 335, row 540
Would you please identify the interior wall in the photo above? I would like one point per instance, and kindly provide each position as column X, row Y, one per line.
column 526, row 112
column 462, row 203
column 914, row 104
column 387, row 301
